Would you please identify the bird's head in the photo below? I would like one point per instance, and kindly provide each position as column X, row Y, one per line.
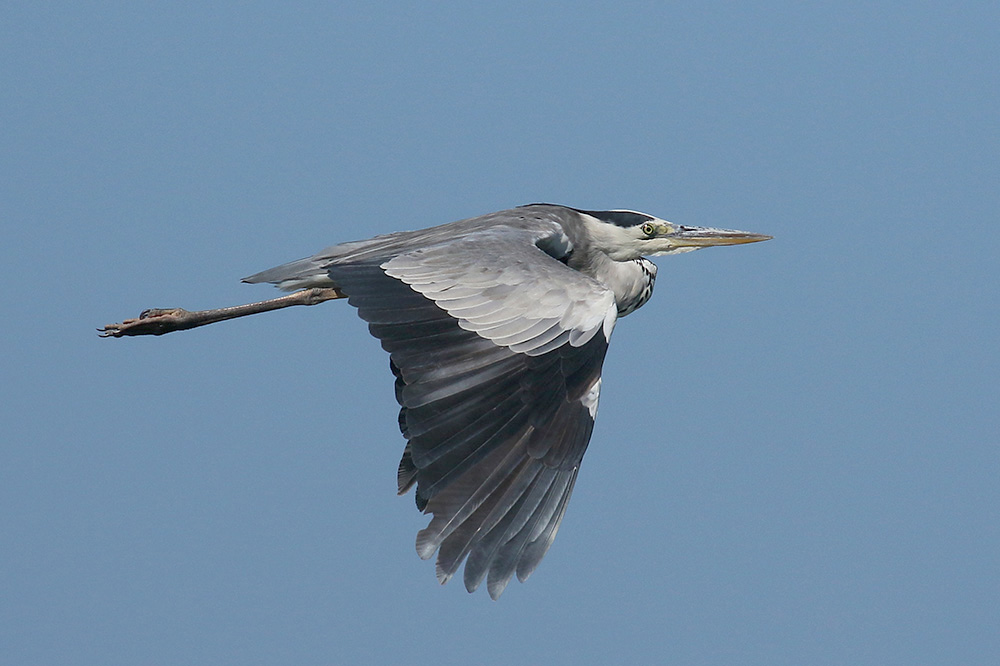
column 627, row 234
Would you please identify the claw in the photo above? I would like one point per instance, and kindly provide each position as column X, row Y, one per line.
column 154, row 321
column 157, row 321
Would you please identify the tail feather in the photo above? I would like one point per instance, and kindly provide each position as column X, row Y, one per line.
column 300, row 274
column 313, row 271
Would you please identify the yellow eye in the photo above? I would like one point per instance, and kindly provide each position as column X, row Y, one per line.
column 648, row 229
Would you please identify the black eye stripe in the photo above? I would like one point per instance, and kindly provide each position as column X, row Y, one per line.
column 621, row 218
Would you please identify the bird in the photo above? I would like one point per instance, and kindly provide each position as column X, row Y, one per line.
column 497, row 328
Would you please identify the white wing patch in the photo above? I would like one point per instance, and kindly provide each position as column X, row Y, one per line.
column 501, row 286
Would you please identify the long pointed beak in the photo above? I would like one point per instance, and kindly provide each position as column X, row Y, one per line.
column 706, row 237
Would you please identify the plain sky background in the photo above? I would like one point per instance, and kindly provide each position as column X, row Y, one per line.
column 797, row 459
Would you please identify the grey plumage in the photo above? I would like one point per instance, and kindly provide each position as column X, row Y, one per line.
column 497, row 327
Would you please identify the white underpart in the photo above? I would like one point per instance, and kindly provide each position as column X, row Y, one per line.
column 609, row 322
column 591, row 398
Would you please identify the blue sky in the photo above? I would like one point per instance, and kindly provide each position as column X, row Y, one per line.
column 797, row 454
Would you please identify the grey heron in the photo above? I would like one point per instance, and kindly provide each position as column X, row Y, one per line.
column 496, row 328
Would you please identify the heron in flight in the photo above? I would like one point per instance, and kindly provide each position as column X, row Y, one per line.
column 496, row 328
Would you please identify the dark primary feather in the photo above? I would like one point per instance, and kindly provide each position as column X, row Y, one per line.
column 495, row 437
column 496, row 347
column 497, row 327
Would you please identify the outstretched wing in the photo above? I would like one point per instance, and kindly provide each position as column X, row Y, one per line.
column 497, row 350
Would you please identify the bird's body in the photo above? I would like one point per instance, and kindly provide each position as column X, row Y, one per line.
column 497, row 328
column 546, row 226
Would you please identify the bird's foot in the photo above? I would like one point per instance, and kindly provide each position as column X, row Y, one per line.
column 155, row 321
column 158, row 321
